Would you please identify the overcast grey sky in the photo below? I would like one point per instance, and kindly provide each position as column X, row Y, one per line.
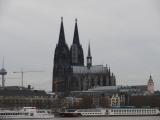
column 125, row 34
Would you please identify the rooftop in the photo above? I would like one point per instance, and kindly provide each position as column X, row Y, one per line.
column 92, row 69
column 20, row 91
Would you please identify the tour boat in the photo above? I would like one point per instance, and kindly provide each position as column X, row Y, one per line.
column 133, row 112
column 70, row 113
column 92, row 112
column 119, row 111
column 84, row 112
column 26, row 113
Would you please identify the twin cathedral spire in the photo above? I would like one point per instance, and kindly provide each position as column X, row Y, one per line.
column 65, row 58
column 76, row 50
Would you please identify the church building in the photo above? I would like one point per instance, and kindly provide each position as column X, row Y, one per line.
column 69, row 71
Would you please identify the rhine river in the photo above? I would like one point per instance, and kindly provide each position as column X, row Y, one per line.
column 109, row 118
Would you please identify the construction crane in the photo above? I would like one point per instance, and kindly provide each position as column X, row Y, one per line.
column 22, row 73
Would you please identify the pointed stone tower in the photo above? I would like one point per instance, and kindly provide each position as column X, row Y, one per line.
column 76, row 51
column 89, row 57
column 150, row 86
column 61, row 63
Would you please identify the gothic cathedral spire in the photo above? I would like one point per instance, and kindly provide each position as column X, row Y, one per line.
column 89, row 57
column 76, row 51
column 76, row 34
column 61, row 34
column 89, row 50
column 61, row 63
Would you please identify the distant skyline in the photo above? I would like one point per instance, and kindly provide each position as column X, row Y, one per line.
column 124, row 34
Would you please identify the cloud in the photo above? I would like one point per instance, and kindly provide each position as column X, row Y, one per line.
column 123, row 34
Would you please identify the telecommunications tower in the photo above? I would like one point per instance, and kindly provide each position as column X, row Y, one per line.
column 3, row 72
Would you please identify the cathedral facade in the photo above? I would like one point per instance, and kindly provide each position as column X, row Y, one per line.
column 69, row 71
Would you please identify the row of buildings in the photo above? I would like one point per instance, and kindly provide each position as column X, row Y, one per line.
column 109, row 96
column 18, row 97
column 105, row 96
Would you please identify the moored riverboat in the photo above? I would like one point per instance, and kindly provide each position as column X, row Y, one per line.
column 133, row 112
column 92, row 112
column 26, row 113
column 117, row 111
column 84, row 112
column 70, row 113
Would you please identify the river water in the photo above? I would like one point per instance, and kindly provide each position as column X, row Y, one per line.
column 110, row 118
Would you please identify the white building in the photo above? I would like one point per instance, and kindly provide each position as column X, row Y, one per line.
column 115, row 100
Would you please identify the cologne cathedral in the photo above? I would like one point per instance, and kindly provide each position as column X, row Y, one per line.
column 69, row 71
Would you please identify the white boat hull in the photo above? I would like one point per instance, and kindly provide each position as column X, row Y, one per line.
column 27, row 117
column 26, row 113
column 133, row 112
